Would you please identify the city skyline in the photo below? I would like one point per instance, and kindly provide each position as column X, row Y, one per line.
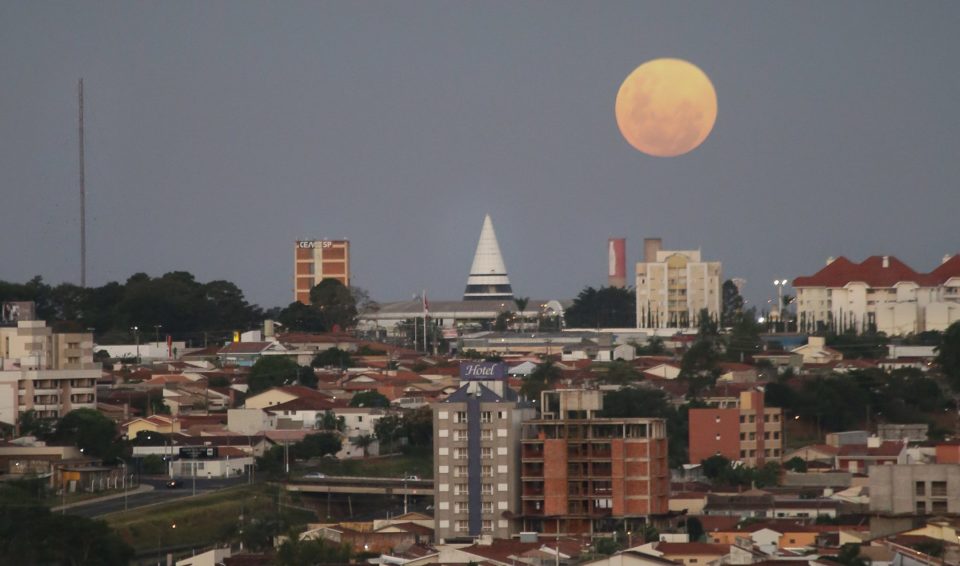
column 215, row 138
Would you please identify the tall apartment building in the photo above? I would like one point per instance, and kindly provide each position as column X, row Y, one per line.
column 749, row 432
column 880, row 293
column 476, row 440
column 316, row 260
column 584, row 474
column 46, row 372
column 674, row 286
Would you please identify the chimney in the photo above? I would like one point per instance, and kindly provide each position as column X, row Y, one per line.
column 886, row 261
column 650, row 248
column 830, row 260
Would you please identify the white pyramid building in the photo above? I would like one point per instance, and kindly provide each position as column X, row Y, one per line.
column 488, row 275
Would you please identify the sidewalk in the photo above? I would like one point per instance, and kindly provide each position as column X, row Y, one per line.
column 139, row 489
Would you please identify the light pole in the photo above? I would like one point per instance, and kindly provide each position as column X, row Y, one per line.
column 156, row 333
column 123, row 463
column 136, row 337
column 779, row 283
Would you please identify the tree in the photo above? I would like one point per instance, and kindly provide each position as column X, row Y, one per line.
column 796, row 464
column 653, row 347
column 153, row 465
column 388, row 430
column 272, row 371
column 31, row 424
column 605, row 307
column 370, row 399
column 418, row 426
column 621, row 373
column 732, row 303
column 295, row 552
column 363, row 442
column 331, row 422
column 544, row 377
column 336, row 304
column 744, row 338
column 332, row 357
column 298, row 316
column 502, row 322
column 694, row 529
column 317, row 445
column 91, row 431
column 948, row 355
column 636, row 402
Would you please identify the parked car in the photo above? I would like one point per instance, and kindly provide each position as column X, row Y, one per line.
column 412, row 477
column 315, row 476
column 173, row 484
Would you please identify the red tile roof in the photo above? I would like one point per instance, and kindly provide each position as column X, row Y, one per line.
column 690, row 548
column 871, row 271
column 245, row 347
column 889, row 448
column 946, row 270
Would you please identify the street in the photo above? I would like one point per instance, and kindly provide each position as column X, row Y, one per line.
column 160, row 494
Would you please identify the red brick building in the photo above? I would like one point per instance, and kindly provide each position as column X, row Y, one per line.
column 581, row 473
column 750, row 433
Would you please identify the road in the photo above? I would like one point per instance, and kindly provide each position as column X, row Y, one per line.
column 160, row 494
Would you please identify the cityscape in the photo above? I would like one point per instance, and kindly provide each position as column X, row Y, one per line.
column 608, row 286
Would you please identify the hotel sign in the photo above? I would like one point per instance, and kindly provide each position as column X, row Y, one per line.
column 482, row 370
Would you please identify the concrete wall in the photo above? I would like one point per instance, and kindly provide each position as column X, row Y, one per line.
column 923, row 488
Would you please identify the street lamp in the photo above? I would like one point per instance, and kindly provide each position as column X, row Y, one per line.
column 779, row 283
column 123, row 463
column 136, row 337
column 156, row 333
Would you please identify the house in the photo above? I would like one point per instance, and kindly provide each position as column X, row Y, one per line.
column 859, row 458
column 663, row 371
column 816, row 351
column 161, row 424
column 687, row 553
column 247, row 353
column 278, row 395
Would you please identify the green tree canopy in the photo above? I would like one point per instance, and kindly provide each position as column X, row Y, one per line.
column 337, row 305
column 369, row 399
column 272, row 371
column 317, row 445
column 90, row 431
column 603, row 308
column 948, row 355
column 544, row 377
column 332, row 357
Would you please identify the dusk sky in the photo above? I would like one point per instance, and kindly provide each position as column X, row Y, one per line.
column 218, row 133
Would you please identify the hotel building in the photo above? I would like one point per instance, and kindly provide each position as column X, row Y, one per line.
column 673, row 287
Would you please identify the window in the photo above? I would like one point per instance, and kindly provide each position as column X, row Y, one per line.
column 776, row 435
column 459, row 453
column 486, row 453
column 486, row 434
column 938, row 507
column 461, row 507
column 766, row 418
column 920, row 489
column 461, row 526
column 460, row 417
column 743, row 453
column 486, row 526
column 766, row 436
column 460, row 489
column 486, row 508
column 460, row 435
column 486, row 489
column 485, row 417
column 459, row 471
column 359, row 418
column 743, row 436
column 920, row 508
column 753, row 436
column 938, row 489
column 486, row 471
column 501, row 415
column 718, row 436
column 717, row 420
column 743, row 419
column 752, row 419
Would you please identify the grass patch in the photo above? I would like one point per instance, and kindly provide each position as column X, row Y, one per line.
column 204, row 519
column 417, row 461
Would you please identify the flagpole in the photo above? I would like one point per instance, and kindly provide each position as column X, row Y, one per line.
column 426, row 348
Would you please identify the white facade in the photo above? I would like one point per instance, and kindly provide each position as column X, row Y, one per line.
column 881, row 293
column 674, row 286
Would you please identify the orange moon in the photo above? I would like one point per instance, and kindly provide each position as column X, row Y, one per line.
column 666, row 107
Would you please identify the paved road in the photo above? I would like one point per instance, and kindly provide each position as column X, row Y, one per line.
column 160, row 494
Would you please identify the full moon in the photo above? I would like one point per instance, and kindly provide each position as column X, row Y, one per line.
column 666, row 107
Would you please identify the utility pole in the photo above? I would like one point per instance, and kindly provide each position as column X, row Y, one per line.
column 83, row 198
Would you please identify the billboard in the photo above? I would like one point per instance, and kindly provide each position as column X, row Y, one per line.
column 198, row 452
column 12, row 312
column 482, row 370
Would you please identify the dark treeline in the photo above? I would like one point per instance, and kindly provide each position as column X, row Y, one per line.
column 175, row 302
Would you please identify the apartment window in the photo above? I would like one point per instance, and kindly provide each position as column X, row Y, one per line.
column 486, row 526
column 743, row 453
column 766, row 418
column 459, row 471
column 752, row 419
column 459, row 453
column 486, row 489
column 766, row 436
column 461, row 526
column 486, row 453
column 486, row 471
column 486, row 508
column 460, row 489
column 485, row 417
column 920, row 507
column 717, row 420
column 486, row 434
column 743, row 436
column 743, row 419
column 501, row 415
column 938, row 489
column 460, row 435
column 920, row 489
column 753, row 436
column 461, row 507
column 460, row 417
column 776, row 435
column 938, row 507
column 718, row 436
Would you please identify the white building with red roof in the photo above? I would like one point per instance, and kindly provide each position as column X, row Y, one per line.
column 880, row 293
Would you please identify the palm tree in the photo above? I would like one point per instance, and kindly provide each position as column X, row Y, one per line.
column 363, row 442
